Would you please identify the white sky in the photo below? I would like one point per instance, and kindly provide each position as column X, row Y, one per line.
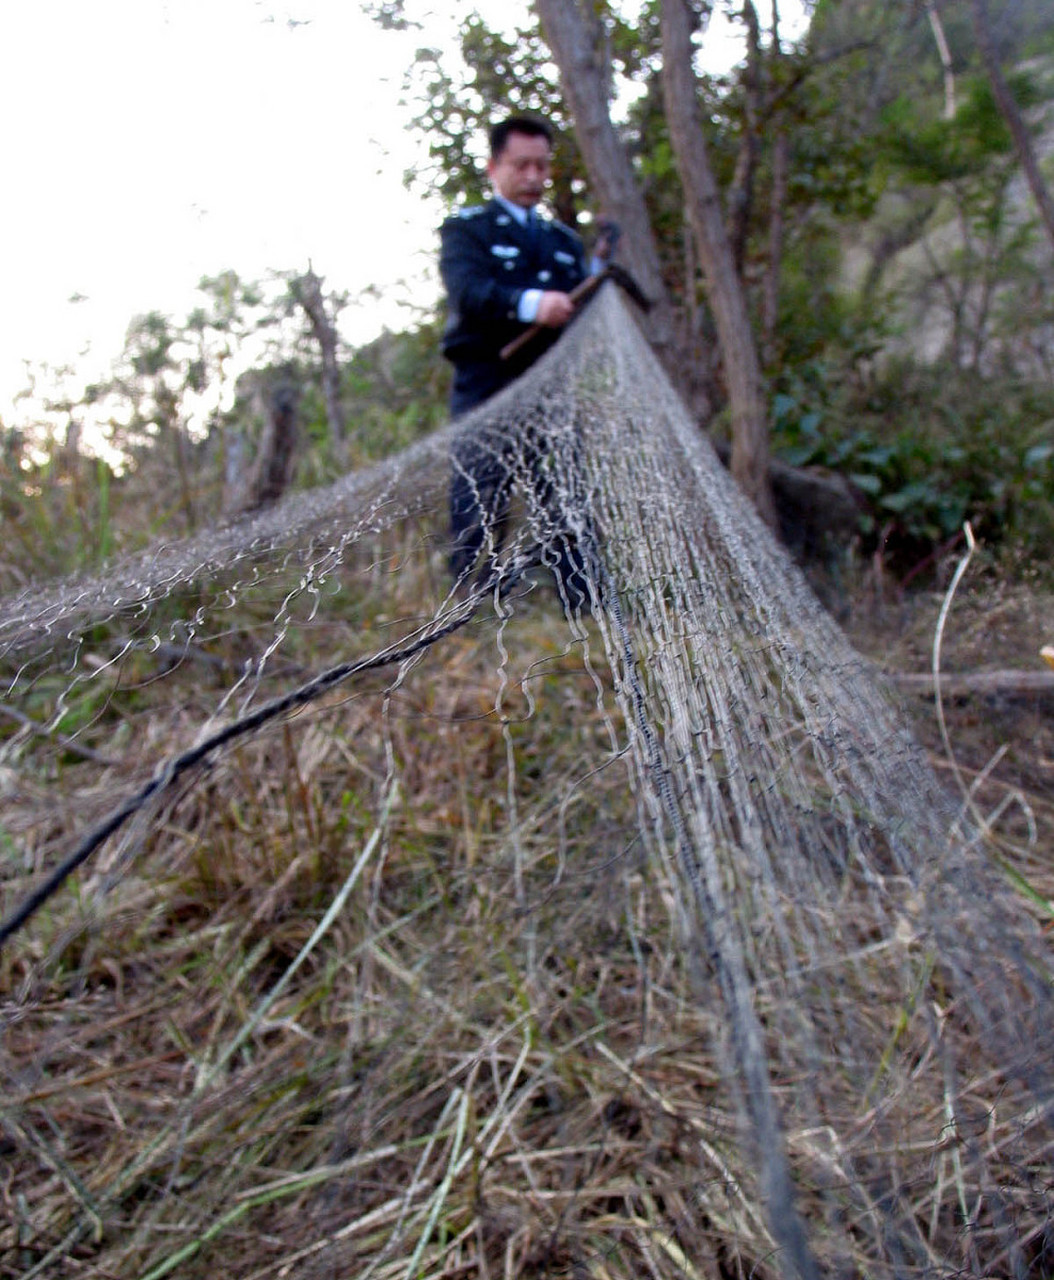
column 151, row 142
column 147, row 143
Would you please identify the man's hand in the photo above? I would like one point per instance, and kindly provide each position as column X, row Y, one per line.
column 554, row 310
column 608, row 234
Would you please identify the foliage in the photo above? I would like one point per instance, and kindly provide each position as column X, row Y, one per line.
column 969, row 164
column 395, row 391
column 167, row 402
column 817, row 320
column 929, row 447
column 57, row 509
column 896, row 51
column 501, row 76
column 161, row 445
column 930, row 149
column 967, row 436
column 832, row 156
column 860, row 100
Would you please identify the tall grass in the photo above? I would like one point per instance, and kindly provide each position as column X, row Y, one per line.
column 381, row 995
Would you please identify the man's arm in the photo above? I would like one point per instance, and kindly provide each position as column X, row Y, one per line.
column 608, row 235
column 471, row 276
column 470, row 273
column 554, row 309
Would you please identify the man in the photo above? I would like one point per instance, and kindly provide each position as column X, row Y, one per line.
column 505, row 268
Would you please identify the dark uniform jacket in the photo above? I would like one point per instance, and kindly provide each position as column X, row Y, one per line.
column 487, row 260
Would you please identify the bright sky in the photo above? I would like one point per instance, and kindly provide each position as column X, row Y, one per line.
column 151, row 142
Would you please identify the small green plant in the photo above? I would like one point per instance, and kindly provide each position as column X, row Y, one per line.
column 928, row 448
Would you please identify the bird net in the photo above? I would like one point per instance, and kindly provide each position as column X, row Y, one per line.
column 592, row 913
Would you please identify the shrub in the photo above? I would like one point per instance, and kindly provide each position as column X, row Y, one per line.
column 930, row 447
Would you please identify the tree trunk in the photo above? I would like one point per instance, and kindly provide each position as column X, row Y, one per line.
column 750, row 444
column 307, row 289
column 817, row 510
column 986, row 683
column 274, row 462
column 770, row 294
column 169, row 420
column 741, row 193
column 1011, row 114
column 770, row 298
column 575, row 36
column 937, row 27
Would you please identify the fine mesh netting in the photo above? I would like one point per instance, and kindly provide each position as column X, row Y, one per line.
column 595, row 915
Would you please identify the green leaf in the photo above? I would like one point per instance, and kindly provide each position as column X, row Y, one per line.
column 799, row 455
column 880, row 456
column 782, row 406
column 915, row 494
column 866, row 483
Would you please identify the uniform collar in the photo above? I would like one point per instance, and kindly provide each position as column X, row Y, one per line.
column 518, row 212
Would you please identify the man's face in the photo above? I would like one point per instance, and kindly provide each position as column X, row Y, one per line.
column 520, row 171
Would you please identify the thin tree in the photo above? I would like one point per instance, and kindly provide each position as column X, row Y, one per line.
column 273, row 469
column 944, row 52
column 574, row 33
column 307, row 290
column 750, row 443
column 740, row 198
column 1011, row 114
column 770, row 296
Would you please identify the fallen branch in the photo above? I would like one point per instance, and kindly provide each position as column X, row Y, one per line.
column 956, row 684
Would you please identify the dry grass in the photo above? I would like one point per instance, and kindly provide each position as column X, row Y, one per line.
column 381, row 994
column 430, row 1076
column 1002, row 742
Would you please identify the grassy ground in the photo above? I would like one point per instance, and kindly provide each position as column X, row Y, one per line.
column 1001, row 740
column 366, row 1000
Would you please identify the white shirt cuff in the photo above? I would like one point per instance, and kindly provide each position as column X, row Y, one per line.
column 527, row 307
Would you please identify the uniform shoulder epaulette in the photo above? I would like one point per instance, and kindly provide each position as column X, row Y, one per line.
column 564, row 229
column 471, row 211
column 548, row 219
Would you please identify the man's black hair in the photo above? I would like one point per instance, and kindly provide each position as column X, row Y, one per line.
column 530, row 125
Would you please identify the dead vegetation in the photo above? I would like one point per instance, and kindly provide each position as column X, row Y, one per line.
column 391, row 990
column 1000, row 731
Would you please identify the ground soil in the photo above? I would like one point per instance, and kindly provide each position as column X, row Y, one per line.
column 1001, row 742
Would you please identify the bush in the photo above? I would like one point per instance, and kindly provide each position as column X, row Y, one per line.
column 930, row 447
